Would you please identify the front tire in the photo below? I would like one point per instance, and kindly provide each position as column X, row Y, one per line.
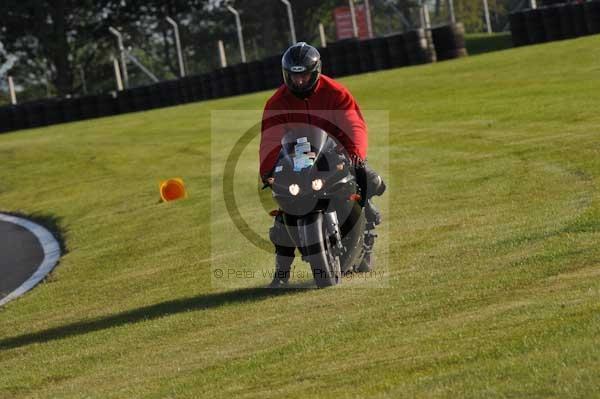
column 326, row 274
column 325, row 266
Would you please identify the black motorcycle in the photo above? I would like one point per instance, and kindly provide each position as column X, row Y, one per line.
column 315, row 186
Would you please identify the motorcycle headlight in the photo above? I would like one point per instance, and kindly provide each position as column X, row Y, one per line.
column 317, row 184
column 294, row 189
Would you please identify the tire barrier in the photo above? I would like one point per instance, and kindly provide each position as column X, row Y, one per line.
column 325, row 60
column 366, row 61
column 379, row 53
column 342, row 58
column 228, row 81
column 567, row 26
column 535, row 26
column 396, row 51
column 107, row 105
column 337, row 60
column 89, row 107
column 551, row 21
column 5, row 122
column 256, row 77
column 272, row 72
column 241, row 75
column 352, row 56
column 555, row 21
column 592, row 16
column 449, row 41
column 52, row 112
column 34, row 115
column 518, row 29
column 419, row 47
column 207, row 87
column 579, row 22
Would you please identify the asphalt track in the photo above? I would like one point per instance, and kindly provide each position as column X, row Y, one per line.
column 28, row 252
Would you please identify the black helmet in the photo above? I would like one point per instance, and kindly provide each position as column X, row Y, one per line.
column 301, row 66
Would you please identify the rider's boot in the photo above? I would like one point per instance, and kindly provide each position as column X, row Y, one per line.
column 281, row 277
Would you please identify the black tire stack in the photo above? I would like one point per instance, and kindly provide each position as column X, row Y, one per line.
column 186, row 90
column 207, row 90
column 351, row 48
column 216, row 83
column 419, row 47
column 449, row 41
column 396, row 50
column 272, row 72
column 18, row 117
column 551, row 21
column 52, row 111
column 567, row 26
column 592, row 16
column 325, row 61
column 579, row 22
column 106, row 105
column 241, row 77
column 88, row 107
column 256, row 76
column 367, row 63
column 5, row 123
column 337, row 60
column 535, row 26
column 555, row 21
column 34, row 114
column 379, row 53
column 518, row 29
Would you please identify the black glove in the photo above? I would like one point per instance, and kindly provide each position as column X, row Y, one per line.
column 265, row 180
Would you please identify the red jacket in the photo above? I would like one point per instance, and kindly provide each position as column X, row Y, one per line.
column 331, row 107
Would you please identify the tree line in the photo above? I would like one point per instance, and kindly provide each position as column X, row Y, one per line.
column 64, row 48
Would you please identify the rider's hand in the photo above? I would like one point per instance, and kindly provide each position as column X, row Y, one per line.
column 267, row 181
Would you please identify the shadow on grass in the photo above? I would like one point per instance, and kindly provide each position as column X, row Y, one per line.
column 168, row 308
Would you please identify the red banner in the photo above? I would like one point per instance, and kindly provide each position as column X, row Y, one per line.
column 343, row 22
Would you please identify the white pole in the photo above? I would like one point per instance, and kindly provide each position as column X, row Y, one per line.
column 369, row 22
column 222, row 54
column 141, row 66
column 451, row 11
column 122, row 50
column 178, row 44
column 426, row 16
column 291, row 20
column 533, row 4
column 11, row 88
column 322, row 34
column 118, row 74
column 487, row 17
column 239, row 31
column 353, row 14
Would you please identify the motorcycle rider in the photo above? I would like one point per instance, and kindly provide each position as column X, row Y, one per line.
column 308, row 97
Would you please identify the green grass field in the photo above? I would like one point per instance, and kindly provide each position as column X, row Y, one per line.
column 493, row 259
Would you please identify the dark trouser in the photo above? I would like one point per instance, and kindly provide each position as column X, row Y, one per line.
column 370, row 184
column 284, row 249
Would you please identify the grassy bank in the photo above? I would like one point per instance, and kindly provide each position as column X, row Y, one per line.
column 493, row 260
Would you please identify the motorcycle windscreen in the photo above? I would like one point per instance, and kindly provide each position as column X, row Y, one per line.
column 308, row 147
column 307, row 153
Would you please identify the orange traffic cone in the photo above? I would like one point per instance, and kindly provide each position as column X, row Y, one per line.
column 172, row 189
